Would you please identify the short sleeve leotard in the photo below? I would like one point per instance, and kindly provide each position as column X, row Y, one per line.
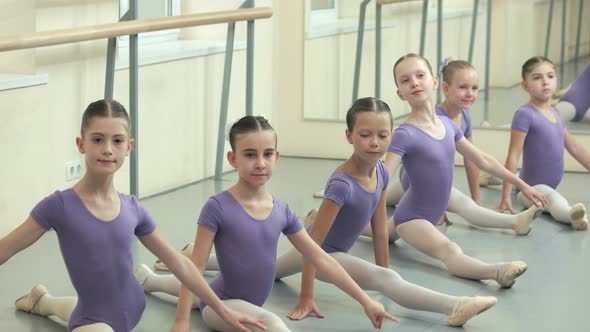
column 542, row 152
column 357, row 206
column 246, row 248
column 465, row 128
column 98, row 256
column 428, row 163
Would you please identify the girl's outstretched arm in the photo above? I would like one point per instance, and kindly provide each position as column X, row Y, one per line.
column 322, row 224
column 329, row 267
column 201, row 251
column 380, row 232
column 515, row 146
column 576, row 150
column 472, row 172
column 492, row 166
column 22, row 237
column 189, row 275
column 392, row 162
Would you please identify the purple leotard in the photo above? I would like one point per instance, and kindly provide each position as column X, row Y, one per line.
column 429, row 164
column 98, row 256
column 465, row 128
column 542, row 152
column 357, row 206
column 246, row 248
column 579, row 94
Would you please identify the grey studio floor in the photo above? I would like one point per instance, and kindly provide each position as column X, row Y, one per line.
column 551, row 296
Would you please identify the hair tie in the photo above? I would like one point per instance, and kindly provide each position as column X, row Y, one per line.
column 444, row 64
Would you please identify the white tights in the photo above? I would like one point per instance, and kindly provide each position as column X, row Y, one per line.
column 169, row 284
column 477, row 215
column 394, row 193
column 98, row 327
column 272, row 322
column 373, row 277
column 557, row 205
column 63, row 307
column 424, row 236
column 567, row 112
column 463, row 206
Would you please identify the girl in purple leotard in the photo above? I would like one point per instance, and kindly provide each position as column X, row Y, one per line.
column 95, row 226
column 539, row 133
column 426, row 145
column 355, row 197
column 460, row 85
column 244, row 223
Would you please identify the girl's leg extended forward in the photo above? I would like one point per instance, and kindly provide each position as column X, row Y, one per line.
column 422, row 235
column 163, row 283
column 390, row 231
column 38, row 301
column 272, row 322
column 477, row 215
column 98, row 327
column 187, row 250
column 372, row 277
column 389, row 283
column 559, row 207
column 289, row 263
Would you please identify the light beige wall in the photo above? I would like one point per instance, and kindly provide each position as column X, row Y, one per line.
column 296, row 136
column 213, row 31
column 179, row 103
column 512, row 32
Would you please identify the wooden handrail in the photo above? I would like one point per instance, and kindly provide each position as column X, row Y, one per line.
column 386, row 2
column 100, row 31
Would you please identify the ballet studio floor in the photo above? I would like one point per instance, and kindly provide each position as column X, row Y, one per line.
column 551, row 296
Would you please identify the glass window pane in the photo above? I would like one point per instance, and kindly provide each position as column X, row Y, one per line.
column 322, row 4
column 152, row 8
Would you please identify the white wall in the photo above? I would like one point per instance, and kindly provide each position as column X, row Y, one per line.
column 323, row 139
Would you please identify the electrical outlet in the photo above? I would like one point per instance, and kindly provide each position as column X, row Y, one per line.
column 73, row 169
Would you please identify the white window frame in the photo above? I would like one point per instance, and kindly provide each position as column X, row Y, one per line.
column 153, row 37
column 323, row 14
column 163, row 46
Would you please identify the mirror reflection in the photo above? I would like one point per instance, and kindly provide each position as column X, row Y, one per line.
column 332, row 56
